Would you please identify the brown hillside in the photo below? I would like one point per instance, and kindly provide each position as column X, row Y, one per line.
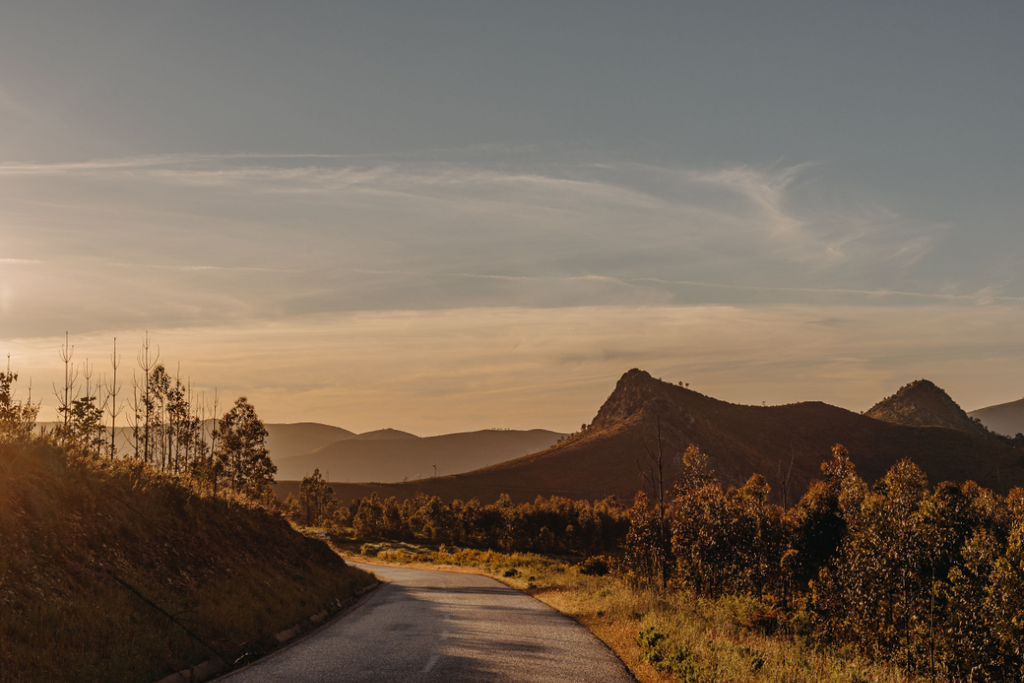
column 94, row 556
column 739, row 440
column 922, row 404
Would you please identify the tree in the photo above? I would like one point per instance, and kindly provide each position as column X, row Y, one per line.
column 652, row 474
column 242, row 451
column 646, row 551
column 17, row 419
column 114, row 408
column 316, row 498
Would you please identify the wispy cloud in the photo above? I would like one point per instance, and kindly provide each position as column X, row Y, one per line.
column 294, row 234
column 194, row 268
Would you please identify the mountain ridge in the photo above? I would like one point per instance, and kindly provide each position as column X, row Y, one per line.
column 786, row 444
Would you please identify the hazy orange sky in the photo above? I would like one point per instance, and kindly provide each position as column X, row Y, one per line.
column 464, row 215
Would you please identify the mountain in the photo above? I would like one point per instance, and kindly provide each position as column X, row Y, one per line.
column 1005, row 418
column 385, row 435
column 786, row 444
column 922, row 404
column 391, row 455
column 287, row 440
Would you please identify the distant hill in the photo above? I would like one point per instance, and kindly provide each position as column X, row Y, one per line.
column 389, row 455
column 283, row 440
column 385, row 435
column 786, row 444
column 1005, row 418
column 922, row 404
column 287, row 440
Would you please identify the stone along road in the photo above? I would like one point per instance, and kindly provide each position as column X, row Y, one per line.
column 424, row 625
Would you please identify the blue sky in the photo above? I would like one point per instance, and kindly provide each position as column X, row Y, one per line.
column 494, row 209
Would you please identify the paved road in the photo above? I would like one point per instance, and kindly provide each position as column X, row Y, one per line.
column 440, row 626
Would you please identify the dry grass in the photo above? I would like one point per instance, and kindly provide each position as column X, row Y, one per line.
column 104, row 570
column 697, row 640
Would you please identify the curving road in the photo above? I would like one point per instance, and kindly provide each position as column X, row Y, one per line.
column 427, row 625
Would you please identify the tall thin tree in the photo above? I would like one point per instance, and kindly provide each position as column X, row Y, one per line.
column 114, row 409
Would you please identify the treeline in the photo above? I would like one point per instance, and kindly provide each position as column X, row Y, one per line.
column 927, row 577
column 930, row 578
column 547, row 525
column 166, row 425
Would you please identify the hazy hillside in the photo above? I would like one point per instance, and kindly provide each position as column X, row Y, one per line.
column 93, row 559
column 783, row 443
column 1005, row 418
column 283, row 440
column 387, row 434
column 390, row 455
column 287, row 440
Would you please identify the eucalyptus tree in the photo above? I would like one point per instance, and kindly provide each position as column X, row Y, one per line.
column 242, row 451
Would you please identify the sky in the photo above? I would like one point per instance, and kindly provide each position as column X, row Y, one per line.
column 450, row 216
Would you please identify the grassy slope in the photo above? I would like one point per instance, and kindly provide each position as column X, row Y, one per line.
column 721, row 636
column 81, row 546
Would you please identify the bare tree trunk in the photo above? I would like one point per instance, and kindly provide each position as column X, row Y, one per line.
column 147, row 363
column 112, row 390
column 66, row 396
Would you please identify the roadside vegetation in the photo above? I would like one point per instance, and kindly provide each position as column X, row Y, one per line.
column 131, row 568
column 896, row 580
column 660, row 634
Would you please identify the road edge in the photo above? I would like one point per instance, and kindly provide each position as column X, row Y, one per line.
column 208, row 670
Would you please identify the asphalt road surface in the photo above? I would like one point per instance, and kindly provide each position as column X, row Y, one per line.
column 427, row 625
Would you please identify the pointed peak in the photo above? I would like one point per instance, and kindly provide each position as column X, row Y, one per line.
column 636, row 391
column 922, row 403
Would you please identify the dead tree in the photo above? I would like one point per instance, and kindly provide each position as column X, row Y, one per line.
column 67, row 395
column 112, row 390
column 147, row 364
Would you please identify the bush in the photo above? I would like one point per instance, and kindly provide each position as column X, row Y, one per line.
column 594, row 566
column 656, row 650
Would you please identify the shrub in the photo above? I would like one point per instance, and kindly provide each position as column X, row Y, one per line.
column 594, row 566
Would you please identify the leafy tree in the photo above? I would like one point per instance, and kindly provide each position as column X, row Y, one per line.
column 17, row 419
column 316, row 499
column 242, row 451
column 646, row 553
column 368, row 521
